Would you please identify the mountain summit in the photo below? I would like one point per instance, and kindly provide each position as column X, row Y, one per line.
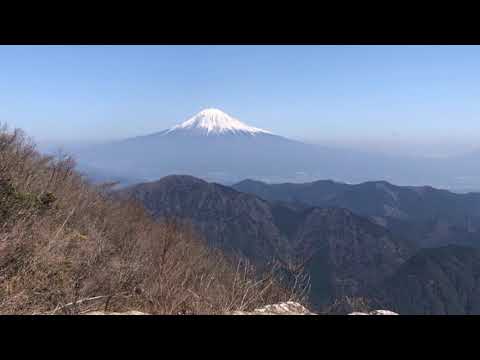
column 215, row 146
column 215, row 122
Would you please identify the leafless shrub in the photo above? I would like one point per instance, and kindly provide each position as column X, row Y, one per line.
column 67, row 247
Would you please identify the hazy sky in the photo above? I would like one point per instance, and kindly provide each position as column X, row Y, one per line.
column 388, row 97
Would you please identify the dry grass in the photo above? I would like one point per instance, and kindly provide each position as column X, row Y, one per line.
column 67, row 247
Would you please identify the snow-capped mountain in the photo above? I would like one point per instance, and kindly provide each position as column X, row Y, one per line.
column 216, row 146
column 215, row 122
column 212, row 145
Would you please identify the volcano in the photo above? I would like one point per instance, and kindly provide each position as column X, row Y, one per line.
column 215, row 146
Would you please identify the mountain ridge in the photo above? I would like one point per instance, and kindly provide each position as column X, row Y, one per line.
column 425, row 215
column 344, row 252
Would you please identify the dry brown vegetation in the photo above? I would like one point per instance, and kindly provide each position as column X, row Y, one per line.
column 67, row 247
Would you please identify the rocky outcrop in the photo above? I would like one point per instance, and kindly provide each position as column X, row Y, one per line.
column 285, row 308
column 375, row 312
column 293, row 308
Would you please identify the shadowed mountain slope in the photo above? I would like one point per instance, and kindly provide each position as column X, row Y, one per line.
column 425, row 215
column 438, row 281
column 343, row 252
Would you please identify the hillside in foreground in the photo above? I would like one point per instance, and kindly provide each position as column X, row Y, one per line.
column 67, row 247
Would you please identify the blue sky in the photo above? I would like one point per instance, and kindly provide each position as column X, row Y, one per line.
column 389, row 97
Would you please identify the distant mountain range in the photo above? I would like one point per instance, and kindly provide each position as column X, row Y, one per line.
column 424, row 215
column 349, row 249
column 344, row 253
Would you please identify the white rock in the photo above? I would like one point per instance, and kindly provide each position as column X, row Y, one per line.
column 382, row 312
column 358, row 313
column 286, row 308
column 375, row 312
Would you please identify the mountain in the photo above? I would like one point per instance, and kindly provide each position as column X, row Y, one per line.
column 227, row 218
column 425, row 215
column 437, row 281
column 344, row 253
column 211, row 145
column 218, row 147
column 315, row 193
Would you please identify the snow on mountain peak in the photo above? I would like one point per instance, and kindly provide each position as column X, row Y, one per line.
column 215, row 121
